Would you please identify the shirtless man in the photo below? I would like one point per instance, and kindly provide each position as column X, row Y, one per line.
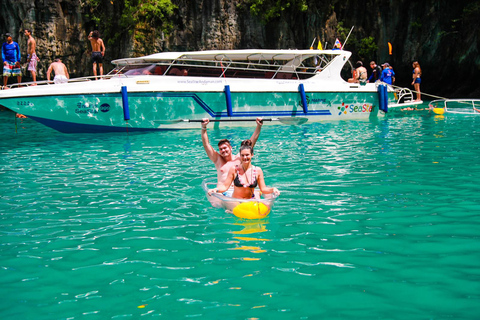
column 224, row 159
column 32, row 58
column 98, row 51
column 61, row 72
column 359, row 74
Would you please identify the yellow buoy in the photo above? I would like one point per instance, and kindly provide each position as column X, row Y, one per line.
column 251, row 210
column 439, row 110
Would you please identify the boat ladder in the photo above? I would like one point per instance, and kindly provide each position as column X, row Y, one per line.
column 403, row 95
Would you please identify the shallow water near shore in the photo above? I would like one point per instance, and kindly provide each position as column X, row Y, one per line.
column 377, row 219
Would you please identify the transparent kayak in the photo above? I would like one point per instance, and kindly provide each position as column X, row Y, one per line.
column 255, row 208
column 459, row 106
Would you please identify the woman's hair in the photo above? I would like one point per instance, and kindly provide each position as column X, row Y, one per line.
column 246, row 144
column 417, row 65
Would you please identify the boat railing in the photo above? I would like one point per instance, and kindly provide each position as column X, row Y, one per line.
column 224, row 67
column 236, row 69
column 220, row 69
column 49, row 82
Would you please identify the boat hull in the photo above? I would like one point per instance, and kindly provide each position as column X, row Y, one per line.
column 145, row 108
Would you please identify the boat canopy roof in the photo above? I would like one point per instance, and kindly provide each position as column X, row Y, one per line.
column 229, row 55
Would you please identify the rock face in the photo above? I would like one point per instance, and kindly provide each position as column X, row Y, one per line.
column 57, row 27
column 442, row 35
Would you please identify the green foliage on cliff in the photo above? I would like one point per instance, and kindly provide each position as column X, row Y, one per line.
column 364, row 48
column 268, row 10
column 154, row 13
column 147, row 20
column 367, row 48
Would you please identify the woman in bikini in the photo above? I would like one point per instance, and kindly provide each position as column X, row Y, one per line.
column 417, row 72
column 245, row 176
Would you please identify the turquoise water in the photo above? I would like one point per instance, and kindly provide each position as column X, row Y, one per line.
column 376, row 220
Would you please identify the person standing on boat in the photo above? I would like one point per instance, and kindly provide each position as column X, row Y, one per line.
column 388, row 75
column 61, row 72
column 11, row 60
column 376, row 72
column 98, row 51
column 32, row 58
column 417, row 72
column 245, row 176
column 224, row 159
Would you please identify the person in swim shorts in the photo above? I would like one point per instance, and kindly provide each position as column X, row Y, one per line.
column 416, row 80
column 98, row 51
column 11, row 60
column 245, row 176
column 224, row 159
column 61, row 72
column 32, row 58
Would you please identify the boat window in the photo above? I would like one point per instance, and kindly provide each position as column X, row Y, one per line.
column 141, row 69
column 253, row 66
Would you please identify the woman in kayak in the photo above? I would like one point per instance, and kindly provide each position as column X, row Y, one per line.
column 245, row 177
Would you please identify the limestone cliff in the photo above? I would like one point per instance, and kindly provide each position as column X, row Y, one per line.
column 442, row 35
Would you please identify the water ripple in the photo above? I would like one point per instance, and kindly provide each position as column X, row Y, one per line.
column 377, row 213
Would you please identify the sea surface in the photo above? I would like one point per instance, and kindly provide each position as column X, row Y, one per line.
column 377, row 219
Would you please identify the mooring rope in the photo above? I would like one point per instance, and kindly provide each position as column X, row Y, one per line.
column 423, row 93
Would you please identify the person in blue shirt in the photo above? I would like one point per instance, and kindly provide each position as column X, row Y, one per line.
column 11, row 60
column 388, row 75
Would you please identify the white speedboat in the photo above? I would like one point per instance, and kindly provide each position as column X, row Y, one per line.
column 172, row 90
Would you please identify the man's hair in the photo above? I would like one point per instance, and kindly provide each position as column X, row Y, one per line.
column 57, row 60
column 29, row 31
column 223, row 141
column 95, row 34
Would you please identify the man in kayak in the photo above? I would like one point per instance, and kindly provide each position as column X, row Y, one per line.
column 245, row 177
column 224, row 159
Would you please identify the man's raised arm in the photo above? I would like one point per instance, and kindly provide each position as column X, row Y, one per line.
column 211, row 153
column 256, row 133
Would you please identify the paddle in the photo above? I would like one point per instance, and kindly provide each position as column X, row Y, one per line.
column 284, row 120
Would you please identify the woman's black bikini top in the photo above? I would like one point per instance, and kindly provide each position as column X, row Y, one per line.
column 239, row 184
